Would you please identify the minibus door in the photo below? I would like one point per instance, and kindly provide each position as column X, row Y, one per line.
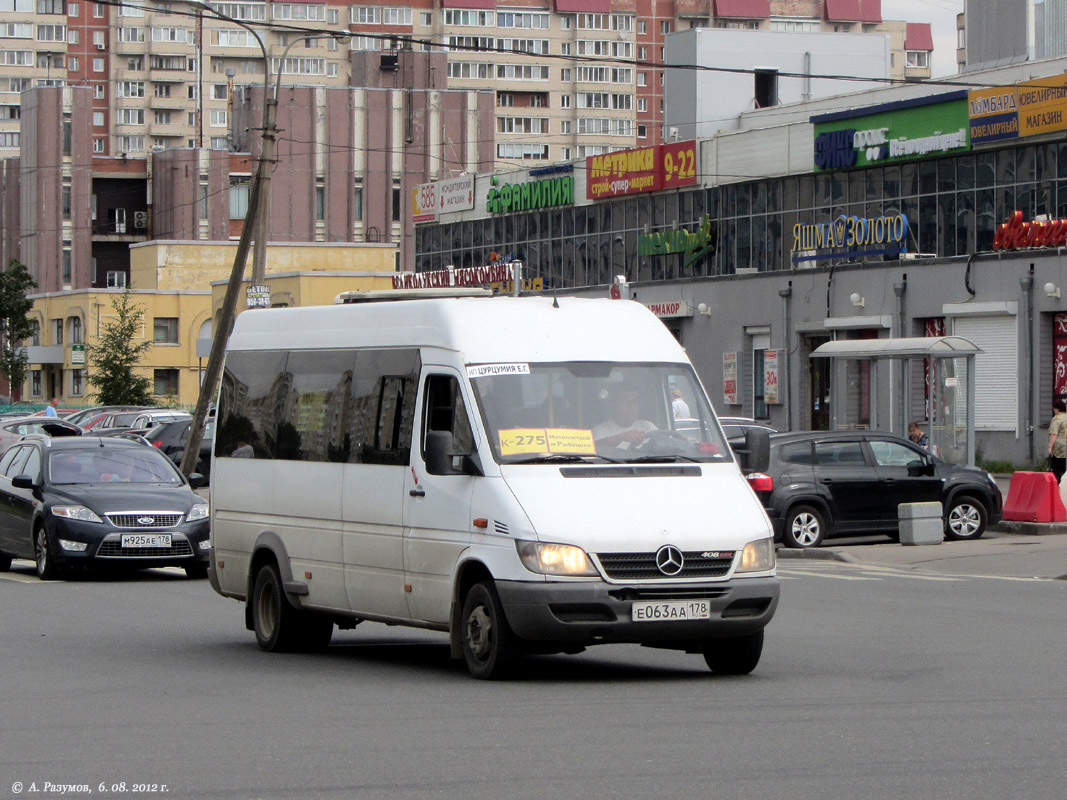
column 437, row 500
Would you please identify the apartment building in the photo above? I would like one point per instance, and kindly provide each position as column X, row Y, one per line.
column 571, row 78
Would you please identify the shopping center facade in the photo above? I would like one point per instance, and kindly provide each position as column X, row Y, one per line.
column 869, row 216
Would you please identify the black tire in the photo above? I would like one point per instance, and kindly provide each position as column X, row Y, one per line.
column 196, row 571
column 5, row 562
column 966, row 518
column 489, row 646
column 279, row 627
column 805, row 527
column 737, row 656
column 44, row 555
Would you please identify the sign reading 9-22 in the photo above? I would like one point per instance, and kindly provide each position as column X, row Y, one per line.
column 643, row 169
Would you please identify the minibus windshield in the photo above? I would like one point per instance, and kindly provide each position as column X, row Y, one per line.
column 597, row 412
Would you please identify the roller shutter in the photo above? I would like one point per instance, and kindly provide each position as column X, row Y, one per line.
column 996, row 369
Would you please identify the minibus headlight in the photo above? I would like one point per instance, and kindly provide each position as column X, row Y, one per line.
column 554, row 559
column 758, row 556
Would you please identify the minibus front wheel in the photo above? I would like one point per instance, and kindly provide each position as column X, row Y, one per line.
column 489, row 646
column 736, row 656
column 279, row 626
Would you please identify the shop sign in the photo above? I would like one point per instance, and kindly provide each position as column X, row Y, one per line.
column 428, row 200
column 770, row 376
column 493, row 276
column 895, row 134
column 850, row 237
column 531, row 195
column 1026, row 109
column 673, row 308
column 1018, row 235
column 643, row 169
column 729, row 379
column 77, row 354
column 693, row 245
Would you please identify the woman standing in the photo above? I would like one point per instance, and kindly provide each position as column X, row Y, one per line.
column 1057, row 439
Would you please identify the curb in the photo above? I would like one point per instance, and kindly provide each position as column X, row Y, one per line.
column 815, row 554
column 1030, row 528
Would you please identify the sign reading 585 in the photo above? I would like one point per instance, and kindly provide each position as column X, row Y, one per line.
column 678, row 161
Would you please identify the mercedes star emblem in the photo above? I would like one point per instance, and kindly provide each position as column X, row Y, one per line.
column 669, row 559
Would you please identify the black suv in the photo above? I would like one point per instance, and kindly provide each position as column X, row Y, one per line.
column 825, row 483
column 170, row 438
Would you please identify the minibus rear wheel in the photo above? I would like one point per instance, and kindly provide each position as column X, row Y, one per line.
column 737, row 656
column 489, row 646
column 279, row 627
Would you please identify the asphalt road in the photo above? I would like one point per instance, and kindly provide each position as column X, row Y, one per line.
column 875, row 683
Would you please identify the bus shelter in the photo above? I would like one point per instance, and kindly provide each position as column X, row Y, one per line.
column 932, row 384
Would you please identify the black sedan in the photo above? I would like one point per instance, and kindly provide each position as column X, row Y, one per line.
column 99, row 501
column 170, row 438
column 825, row 483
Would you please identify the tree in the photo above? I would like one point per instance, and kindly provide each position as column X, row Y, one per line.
column 114, row 357
column 15, row 323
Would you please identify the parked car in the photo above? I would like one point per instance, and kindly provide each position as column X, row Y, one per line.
column 170, row 438
column 141, row 420
column 826, row 483
column 85, row 416
column 95, row 501
column 735, row 428
column 12, row 430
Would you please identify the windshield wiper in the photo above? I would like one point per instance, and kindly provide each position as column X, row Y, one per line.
column 662, row 459
column 561, row 459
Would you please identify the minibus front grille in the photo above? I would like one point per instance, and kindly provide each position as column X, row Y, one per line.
column 642, row 566
column 673, row 593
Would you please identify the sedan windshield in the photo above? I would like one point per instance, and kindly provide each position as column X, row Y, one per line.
column 597, row 412
column 106, row 465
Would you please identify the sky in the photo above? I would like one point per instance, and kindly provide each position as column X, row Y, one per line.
column 941, row 14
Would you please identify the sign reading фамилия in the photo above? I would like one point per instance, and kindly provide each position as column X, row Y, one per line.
column 850, row 237
column 543, row 190
column 899, row 131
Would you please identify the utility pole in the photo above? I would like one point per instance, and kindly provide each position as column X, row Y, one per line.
column 266, row 156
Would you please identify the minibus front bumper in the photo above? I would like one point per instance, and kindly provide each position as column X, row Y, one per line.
column 590, row 613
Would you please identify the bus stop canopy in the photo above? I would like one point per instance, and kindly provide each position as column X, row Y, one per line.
column 915, row 347
column 949, row 406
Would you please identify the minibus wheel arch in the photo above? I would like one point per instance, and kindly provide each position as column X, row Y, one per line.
column 469, row 573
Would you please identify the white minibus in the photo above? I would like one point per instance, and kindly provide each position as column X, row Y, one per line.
column 507, row 470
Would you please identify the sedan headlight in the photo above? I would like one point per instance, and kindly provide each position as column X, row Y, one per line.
column 199, row 511
column 554, row 559
column 758, row 556
column 80, row 513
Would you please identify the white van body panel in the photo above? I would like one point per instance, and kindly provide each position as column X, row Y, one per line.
column 712, row 511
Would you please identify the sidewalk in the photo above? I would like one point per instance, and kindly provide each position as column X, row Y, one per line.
column 997, row 553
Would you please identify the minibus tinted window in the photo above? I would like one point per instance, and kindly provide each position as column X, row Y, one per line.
column 345, row 406
column 578, row 411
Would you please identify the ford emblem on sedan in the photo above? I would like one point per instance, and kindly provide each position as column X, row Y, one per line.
column 146, row 520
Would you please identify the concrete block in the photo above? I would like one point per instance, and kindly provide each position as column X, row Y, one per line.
column 920, row 523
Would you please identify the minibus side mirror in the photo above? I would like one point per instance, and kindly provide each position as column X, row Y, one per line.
column 440, row 460
column 755, row 456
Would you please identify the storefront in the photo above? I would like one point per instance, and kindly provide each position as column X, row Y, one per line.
column 891, row 230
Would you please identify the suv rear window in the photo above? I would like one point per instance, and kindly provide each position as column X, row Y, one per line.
column 795, row 453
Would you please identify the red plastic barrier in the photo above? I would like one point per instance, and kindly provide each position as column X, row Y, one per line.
column 1034, row 497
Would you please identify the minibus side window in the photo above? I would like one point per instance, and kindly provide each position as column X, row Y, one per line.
column 444, row 413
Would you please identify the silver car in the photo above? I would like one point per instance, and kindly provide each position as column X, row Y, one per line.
column 12, row 430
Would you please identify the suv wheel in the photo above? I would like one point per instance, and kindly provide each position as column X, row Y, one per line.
column 804, row 527
column 966, row 519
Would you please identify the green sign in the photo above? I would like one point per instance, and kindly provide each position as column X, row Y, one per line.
column 692, row 244
column 77, row 354
column 530, row 196
column 893, row 134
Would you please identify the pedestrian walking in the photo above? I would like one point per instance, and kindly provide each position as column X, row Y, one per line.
column 1057, row 439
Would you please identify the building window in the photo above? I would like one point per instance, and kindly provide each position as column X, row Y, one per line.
column 35, row 334
column 67, row 265
column 98, row 145
column 75, row 324
column 66, row 200
column 218, row 119
column 320, row 203
column 57, row 331
column 357, row 204
column 396, row 204
column 35, row 383
column 642, row 131
column 165, row 330
column 239, row 186
column 202, row 201
column 116, row 280
column 77, row 382
column 165, row 383
column 919, row 59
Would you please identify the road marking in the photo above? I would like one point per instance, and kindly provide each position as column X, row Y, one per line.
column 868, row 573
